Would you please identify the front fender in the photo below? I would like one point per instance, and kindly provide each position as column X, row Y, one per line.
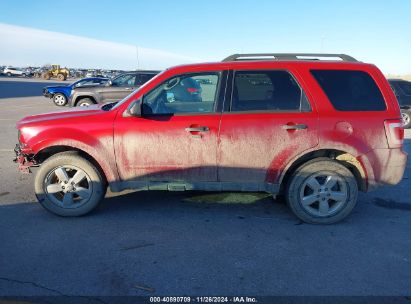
column 99, row 148
column 76, row 95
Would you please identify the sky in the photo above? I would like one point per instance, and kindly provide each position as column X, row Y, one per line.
column 109, row 34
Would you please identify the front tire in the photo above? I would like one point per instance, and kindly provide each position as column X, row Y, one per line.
column 322, row 191
column 9, row 74
column 45, row 76
column 59, row 100
column 67, row 184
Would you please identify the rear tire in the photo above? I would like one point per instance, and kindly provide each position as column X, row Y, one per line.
column 59, row 100
column 67, row 184
column 322, row 191
column 9, row 74
column 406, row 118
column 61, row 77
column 85, row 102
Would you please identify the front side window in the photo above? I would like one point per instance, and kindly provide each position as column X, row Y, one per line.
column 350, row 90
column 124, row 80
column 183, row 94
column 267, row 91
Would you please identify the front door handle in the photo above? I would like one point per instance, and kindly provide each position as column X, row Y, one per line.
column 295, row 127
column 197, row 129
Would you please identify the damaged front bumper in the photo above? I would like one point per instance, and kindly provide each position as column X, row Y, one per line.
column 47, row 94
column 25, row 161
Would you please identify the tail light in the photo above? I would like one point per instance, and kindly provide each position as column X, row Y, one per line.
column 192, row 90
column 394, row 131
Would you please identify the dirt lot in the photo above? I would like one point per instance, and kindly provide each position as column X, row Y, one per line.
column 162, row 243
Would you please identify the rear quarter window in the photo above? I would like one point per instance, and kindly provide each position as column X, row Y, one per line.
column 350, row 90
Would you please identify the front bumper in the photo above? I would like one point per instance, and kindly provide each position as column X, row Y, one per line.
column 47, row 94
column 25, row 161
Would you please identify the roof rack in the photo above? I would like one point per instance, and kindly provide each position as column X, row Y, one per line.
column 287, row 56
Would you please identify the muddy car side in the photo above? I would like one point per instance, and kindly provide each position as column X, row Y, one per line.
column 271, row 126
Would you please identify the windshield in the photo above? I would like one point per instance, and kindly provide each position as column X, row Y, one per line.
column 87, row 82
column 124, row 80
column 143, row 86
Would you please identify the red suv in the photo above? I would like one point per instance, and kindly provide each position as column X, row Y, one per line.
column 315, row 128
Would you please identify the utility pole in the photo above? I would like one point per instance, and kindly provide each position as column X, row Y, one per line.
column 138, row 60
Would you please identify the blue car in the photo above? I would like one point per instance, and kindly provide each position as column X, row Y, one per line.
column 60, row 94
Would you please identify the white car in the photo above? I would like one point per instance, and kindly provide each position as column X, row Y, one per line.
column 15, row 72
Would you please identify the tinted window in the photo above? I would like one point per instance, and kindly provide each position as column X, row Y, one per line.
column 267, row 91
column 183, row 94
column 350, row 90
column 124, row 80
column 143, row 78
column 405, row 87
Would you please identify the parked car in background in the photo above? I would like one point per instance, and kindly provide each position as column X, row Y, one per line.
column 90, row 73
column 114, row 90
column 60, row 94
column 314, row 131
column 10, row 71
column 402, row 90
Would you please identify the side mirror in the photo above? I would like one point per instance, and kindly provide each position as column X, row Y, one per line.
column 134, row 109
column 109, row 83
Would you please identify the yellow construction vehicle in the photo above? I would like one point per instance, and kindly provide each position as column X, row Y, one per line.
column 54, row 71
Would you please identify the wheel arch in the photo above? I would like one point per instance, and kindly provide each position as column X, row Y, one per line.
column 345, row 158
column 59, row 92
column 80, row 97
column 42, row 155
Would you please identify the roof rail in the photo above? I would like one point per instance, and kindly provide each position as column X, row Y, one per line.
column 287, row 56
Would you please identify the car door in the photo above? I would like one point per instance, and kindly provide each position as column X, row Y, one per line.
column 268, row 123
column 175, row 139
column 120, row 87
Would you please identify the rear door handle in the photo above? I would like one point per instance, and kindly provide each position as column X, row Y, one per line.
column 128, row 89
column 295, row 127
column 197, row 129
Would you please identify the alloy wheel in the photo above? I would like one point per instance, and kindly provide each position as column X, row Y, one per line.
column 405, row 118
column 323, row 195
column 68, row 187
column 60, row 100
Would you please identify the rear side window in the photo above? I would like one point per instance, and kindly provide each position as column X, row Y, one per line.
column 143, row 78
column 269, row 91
column 350, row 90
column 405, row 87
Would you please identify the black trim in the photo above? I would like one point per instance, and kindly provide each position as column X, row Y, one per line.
column 222, row 92
column 228, row 92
